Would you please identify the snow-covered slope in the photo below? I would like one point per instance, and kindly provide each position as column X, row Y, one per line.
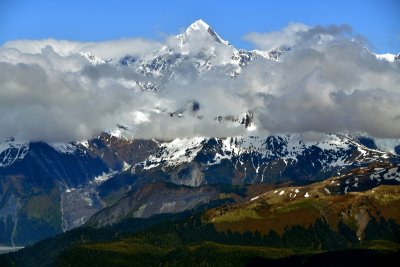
column 198, row 46
column 332, row 149
column 199, row 26
column 12, row 151
column 251, row 159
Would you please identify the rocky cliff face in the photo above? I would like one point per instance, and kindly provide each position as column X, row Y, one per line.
column 154, row 199
column 32, row 185
column 49, row 188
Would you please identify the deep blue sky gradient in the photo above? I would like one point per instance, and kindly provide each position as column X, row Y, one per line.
column 378, row 20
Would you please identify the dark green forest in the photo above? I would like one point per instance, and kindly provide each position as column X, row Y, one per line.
column 184, row 239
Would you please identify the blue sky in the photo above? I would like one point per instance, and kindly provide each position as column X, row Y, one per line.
column 378, row 20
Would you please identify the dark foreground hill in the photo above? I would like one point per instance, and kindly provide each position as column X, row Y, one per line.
column 271, row 229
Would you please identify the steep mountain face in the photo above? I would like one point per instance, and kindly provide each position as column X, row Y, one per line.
column 203, row 162
column 32, row 179
column 155, row 198
column 49, row 188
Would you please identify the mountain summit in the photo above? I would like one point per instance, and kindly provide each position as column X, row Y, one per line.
column 201, row 26
column 199, row 30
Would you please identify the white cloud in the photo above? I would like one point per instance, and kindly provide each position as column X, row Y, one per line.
column 331, row 86
column 113, row 49
column 328, row 82
column 297, row 34
column 289, row 36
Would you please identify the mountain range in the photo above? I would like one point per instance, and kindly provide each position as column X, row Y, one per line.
column 50, row 188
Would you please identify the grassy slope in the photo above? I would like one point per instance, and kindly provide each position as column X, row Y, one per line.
column 273, row 211
column 186, row 242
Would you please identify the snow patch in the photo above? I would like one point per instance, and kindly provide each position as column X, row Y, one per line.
column 64, row 148
column 176, row 152
column 126, row 166
column 254, row 198
column 104, row 177
column 84, row 143
column 12, row 151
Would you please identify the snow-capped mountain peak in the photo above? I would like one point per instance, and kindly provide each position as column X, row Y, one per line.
column 197, row 25
column 200, row 27
column 199, row 45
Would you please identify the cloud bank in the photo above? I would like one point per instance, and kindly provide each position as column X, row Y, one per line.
column 327, row 82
